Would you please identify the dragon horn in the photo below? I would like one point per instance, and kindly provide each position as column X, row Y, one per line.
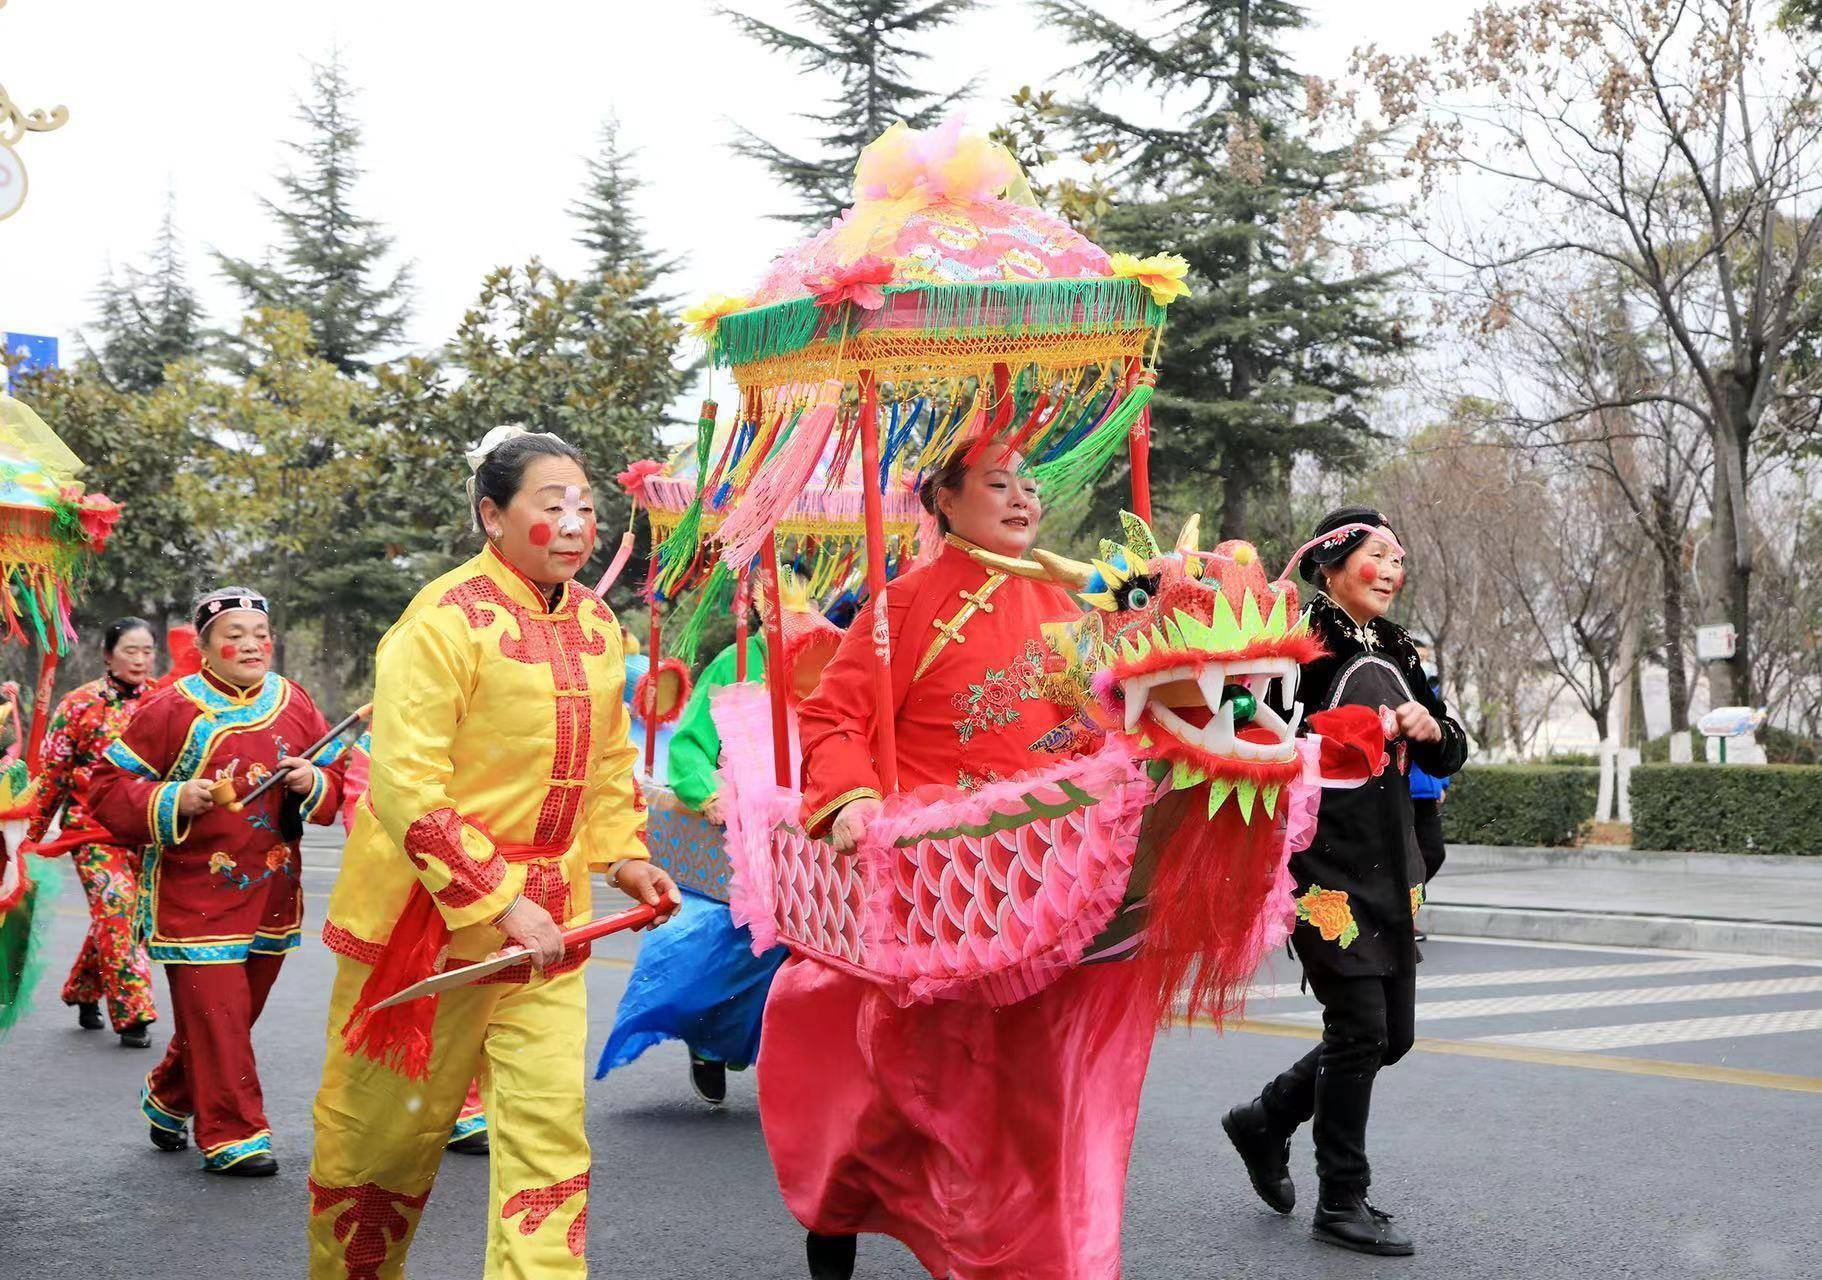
column 1043, row 566
column 1009, row 565
column 1191, row 535
column 1070, row 573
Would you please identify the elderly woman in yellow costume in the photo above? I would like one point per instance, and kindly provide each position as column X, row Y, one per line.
column 501, row 777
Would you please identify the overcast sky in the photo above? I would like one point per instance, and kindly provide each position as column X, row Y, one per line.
column 476, row 118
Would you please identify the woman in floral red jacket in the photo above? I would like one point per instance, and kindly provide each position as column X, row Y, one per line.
column 112, row 963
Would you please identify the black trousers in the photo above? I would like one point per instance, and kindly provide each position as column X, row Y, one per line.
column 1367, row 1023
column 1426, row 815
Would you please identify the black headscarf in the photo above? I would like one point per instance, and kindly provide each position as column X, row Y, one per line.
column 1335, row 550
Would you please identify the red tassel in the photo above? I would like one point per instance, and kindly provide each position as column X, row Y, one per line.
column 1211, row 885
column 399, row 1037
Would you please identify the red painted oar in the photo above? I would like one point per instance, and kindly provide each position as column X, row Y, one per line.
column 572, row 938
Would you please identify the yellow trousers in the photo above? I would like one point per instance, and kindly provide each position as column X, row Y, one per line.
column 380, row 1136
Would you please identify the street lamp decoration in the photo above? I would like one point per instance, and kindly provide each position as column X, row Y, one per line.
column 14, row 125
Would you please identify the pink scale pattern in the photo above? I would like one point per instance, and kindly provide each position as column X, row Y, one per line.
column 937, row 905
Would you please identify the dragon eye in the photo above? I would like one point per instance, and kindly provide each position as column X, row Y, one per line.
column 1137, row 592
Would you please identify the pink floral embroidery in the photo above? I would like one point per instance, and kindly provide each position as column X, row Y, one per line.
column 994, row 702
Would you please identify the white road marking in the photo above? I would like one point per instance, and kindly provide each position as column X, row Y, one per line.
column 1570, row 973
column 1675, row 1031
column 1617, row 997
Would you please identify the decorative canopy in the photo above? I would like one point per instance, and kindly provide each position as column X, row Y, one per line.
column 49, row 529
column 942, row 262
column 942, row 307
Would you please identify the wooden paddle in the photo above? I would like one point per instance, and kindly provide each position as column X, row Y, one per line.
column 279, row 775
column 436, row 983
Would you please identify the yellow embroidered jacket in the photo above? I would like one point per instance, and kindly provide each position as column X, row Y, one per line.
column 500, row 761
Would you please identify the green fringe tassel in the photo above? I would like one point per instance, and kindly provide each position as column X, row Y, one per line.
column 679, row 550
column 1073, row 472
column 717, row 593
column 22, row 957
column 764, row 332
column 1023, row 308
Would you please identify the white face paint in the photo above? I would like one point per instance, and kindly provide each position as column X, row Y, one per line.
column 569, row 524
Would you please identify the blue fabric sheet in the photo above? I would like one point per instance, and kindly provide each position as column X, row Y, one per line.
column 696, row 980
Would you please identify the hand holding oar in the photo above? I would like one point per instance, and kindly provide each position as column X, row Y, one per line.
column 632, row 918
column 278, row 775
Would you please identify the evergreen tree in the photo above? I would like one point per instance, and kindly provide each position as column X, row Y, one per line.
column 330, row 260
column 1272, row 358
column 611, row 231
column 148, row 318
column 869, row 47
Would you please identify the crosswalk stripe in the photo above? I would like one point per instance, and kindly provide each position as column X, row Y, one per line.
column 1571, row 973
column 1562, row 1001
column 1592, row 972
column 1673, row 1031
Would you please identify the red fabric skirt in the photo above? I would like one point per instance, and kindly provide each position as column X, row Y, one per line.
column 992, row 1141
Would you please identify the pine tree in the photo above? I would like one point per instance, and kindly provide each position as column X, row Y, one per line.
column 1272, row 358
column 869, row 47
column 330, row 260
column 148, row 318
column 611, row 231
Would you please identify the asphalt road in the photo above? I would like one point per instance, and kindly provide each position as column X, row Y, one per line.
column 1568, row 1113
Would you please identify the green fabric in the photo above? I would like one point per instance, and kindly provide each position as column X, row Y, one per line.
column 695, row 751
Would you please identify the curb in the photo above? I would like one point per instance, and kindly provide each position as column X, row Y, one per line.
column 1784, row 941
column 1522, row 857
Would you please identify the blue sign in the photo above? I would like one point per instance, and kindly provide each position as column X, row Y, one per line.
column 31, row 352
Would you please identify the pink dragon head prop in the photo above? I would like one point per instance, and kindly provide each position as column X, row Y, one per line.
column 1186, row 652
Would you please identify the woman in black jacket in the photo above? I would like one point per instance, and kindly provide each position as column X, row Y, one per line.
column 1359, row 885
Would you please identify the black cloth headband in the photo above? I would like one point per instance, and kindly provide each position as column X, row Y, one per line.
column 211, row 607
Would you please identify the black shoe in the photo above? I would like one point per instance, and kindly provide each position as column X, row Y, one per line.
column 88, row 1016
column 259, row 1165
column 1266, row 1155
column 475, row 1144
column 1421, row 936
column 710, row 1079
column 1352, row 1223
column 166, row 1140
column 831, row 1257
column 137, row 1036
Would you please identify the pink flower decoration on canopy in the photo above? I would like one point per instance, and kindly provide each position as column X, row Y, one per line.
column 634, row 477
column 858, row 282
column 99, row 513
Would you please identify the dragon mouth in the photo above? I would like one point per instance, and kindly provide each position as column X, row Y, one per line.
column 1192, row 703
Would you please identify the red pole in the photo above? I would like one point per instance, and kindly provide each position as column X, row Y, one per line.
column 887, row 745
column 41, row 709
column 777, row 663
column 740, row 627
column 651, row 713
column 1139, row 446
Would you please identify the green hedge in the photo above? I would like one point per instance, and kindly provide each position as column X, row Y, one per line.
column 1771, row 808
column 1519, row 804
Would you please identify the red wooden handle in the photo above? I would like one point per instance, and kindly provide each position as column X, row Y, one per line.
column 630, row 919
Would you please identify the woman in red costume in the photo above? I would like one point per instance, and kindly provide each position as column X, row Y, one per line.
column 991, row 1141
column 112, row 963
column 222, row 903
